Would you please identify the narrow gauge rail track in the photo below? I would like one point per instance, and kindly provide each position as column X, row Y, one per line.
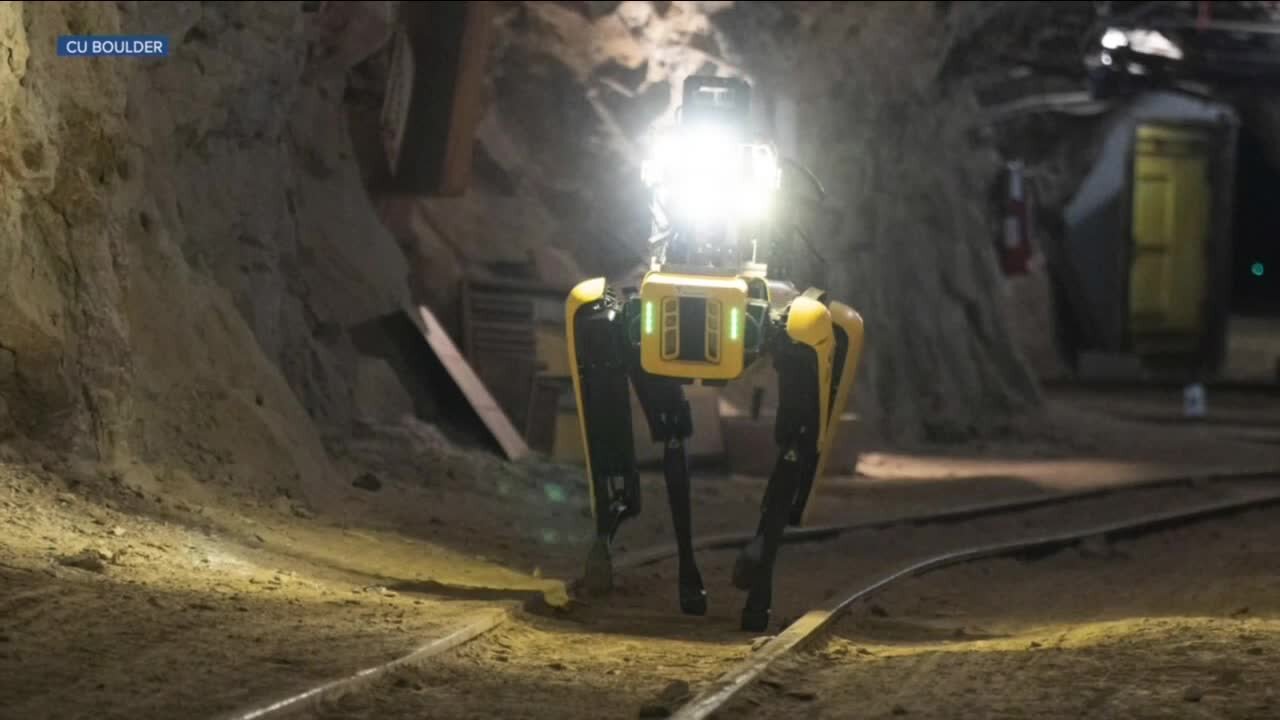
column 726, row 687
column 1121, row 386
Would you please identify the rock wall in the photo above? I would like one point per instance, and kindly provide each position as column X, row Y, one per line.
column 907, row 175
column 184, row 243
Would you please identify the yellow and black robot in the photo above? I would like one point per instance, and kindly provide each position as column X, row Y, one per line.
column 704, row 312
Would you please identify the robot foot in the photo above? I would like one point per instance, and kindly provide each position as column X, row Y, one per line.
column 745, row 567
column 693, row 599
column 755, row 620
column 598, row 579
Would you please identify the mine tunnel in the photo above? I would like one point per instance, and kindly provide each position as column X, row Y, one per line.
column 639, row 359
column 1257, row 225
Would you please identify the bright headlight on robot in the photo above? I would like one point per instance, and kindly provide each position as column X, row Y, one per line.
column 1114, row 38
column 707, row 175
column 1145, row 42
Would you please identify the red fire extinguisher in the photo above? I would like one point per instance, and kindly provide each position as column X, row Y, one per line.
column 1015, row 243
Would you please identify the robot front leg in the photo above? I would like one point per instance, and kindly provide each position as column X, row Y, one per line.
column 804, row 381
column 847, row 330
column 671, row 424
column 753, row 570
column 599, row 362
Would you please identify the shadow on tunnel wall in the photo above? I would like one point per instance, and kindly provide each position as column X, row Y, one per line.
column 436, row 397
column 1255, row 263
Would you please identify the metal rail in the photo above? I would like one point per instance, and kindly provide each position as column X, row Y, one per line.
column 468, row 630
column 731, row 541
column 725, row 688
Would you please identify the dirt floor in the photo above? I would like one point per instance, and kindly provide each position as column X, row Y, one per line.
column 173, row 597
column 1184, row 624
column 631, row 654
column 1250, row 414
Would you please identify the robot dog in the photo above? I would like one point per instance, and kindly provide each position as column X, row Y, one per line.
column 705, row 311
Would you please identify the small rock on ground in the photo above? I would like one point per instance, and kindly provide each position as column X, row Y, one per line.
column 675, row 692
column 367, row 481
column 87, row 559
column 1229, row 677
column 1192, row 694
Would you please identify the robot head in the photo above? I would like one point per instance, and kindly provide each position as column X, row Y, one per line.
column 715, row 102
column 705, row 172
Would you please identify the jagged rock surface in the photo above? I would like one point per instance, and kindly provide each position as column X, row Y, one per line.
column 907, row 176
column 184, row 243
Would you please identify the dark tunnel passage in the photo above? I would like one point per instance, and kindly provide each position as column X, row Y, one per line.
column 1255, row 263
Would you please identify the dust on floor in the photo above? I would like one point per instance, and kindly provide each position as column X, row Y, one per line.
column 1183, row 624
column 631, row 653
column 542, row 668
column 106, row 612
column 142, row 593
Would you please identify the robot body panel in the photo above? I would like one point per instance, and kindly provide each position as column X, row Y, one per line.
column 848, row 329
column 586, row 292
column 693, row 325
column 809, row 323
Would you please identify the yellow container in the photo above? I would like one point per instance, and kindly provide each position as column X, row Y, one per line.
column 1168, row 278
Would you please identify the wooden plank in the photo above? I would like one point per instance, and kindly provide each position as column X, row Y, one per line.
column 434, row 95
column 513, row 445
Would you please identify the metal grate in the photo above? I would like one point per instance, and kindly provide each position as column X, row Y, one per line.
column 500, row 341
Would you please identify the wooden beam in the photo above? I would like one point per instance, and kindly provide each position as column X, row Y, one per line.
column 1075, row 103
column 494, row 419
